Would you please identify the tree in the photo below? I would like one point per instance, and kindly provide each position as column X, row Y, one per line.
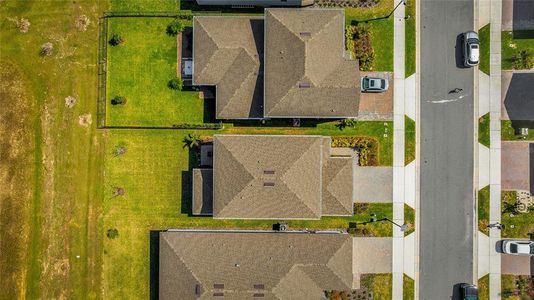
column 118, row 100
column 120, row 150
column 112, row 233
column 346, row 123
column 175, row 84
column 191, row 141
column 524, row 60
column 46, row 49
column 175, row 27
column 509, row 208
column 116, row 40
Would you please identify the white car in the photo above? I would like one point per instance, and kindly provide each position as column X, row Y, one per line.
column 374, row 85
column 471, row 48
column 518, row 247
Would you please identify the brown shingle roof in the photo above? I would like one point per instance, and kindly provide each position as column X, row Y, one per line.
column 202, row 192
column 338, row 186
column 288, row 265
column 306, row 74
column 267, row 177
column 227, row 53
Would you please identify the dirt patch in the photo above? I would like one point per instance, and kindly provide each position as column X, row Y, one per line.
column 22, row 24
column 70, row 101
column 85, row 120
column 16, row 177
column 82, row 22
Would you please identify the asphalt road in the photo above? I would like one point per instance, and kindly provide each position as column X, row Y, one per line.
column 447, row 141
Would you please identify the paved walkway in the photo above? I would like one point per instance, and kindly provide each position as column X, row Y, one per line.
column 404, row 177
column 489, row 160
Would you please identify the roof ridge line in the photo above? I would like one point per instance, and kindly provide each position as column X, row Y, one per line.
column 185, row 264
column 333, row 179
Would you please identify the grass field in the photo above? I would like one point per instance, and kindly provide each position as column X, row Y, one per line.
column 409, row 140
column 484, row 130
column 51, row 242
column 508, row 132
column 484, row 36
column 381, row 30
column 512, row 43
column 408, row 288
column 522, row 222
column 409, row 36
column 139, row 69
column 380, row 284
column 483, row 209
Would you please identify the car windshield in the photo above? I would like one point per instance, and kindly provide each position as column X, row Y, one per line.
column 513, row 248
column 532, row 248
column 366, row 83
column 383, row 85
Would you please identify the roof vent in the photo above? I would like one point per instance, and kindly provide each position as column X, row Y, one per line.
column 218, row 285
column 258, row 295
column 259, row 286
column 270, row 172
column 218, row 294
column 305, row 34
column 304, row 85
column 268, row 184
column 198, row 289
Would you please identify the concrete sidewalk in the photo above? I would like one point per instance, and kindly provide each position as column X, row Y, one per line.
column 489, row 160
column 404, row 177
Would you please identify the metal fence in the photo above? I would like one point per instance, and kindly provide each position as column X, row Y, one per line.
column 102, row 74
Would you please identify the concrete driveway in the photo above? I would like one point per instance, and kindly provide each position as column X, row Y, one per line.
column 373, row 184
column 377, row 106
column 371, row 255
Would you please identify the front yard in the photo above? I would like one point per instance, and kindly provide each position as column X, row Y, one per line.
column 517, row 225
column 509, row 133
column 513, row 42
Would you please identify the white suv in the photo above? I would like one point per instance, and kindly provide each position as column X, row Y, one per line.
column 471, row 48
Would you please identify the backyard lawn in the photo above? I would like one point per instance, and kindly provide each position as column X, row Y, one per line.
column 139, row 69
column 154, row 175
column 381, row 31
column 512, row 43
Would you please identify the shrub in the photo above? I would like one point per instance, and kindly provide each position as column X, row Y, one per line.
column 175, row 27
column 175, row 84
column 346, row 123
column 368, row 148
column 358, row 41
column 524, row 60
column 118, row 100
column 112, row 233
column 360, row 208
column 116, row 40
column 46, row 49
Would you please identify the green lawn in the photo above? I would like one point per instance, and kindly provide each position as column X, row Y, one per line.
column 484, row 130
column 514, row 287
column 380, row 284
column 409, row 37
column 154, row 172
column 483, row 288
column 508, row 132
column 144, row 5
column 139, row 69
column 484, row 36
column 409, row 140
column 522, row 222
column 409, row 219
column 483, row 209
column 512, row 43
column 381, row 30
column 408, row 288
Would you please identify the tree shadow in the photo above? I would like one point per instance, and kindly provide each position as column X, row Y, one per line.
column 154, row 264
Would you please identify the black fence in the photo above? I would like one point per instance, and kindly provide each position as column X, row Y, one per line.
column 102, row 65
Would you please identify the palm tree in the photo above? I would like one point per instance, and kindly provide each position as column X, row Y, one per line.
column 191, row 141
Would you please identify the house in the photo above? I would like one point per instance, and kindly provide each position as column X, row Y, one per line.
column 253, row 264
column 274, row 177
column 291, row 63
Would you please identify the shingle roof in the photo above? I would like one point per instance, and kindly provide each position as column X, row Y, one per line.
column 258, row 176
column 338, row 186
column 228, row 53
column 202, row 192
column 239, row 264
column 306, row 74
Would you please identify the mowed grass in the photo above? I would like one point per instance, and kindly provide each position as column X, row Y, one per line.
column 154, row 172
column 484, row 36
column 483, row 209
column 484, row 130
column 144, row 5
column 410, row 38
column 522, row 222
column 380, row 284
column 408, row 288
column 55, row 211
column 409, row 140
column 139, row 69
column 409, row 219
column 512, row 42
column 508, row 132
column 483, row 288
column 381, row 31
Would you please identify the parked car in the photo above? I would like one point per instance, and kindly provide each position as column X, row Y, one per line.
column 471, row 48
column 518, row 247
column 374, row 85
column 468, row 291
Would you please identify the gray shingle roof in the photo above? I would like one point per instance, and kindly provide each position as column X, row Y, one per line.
column 288, row 265
column 227, row 53
column 267, row 177
column 202, row 192
column 306, row 74
column 338, row 187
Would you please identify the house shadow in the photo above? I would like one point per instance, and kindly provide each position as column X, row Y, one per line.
column 519, row 100
column 187, row 182
column 193, row 6
column 154, row 264
column 523, row 17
